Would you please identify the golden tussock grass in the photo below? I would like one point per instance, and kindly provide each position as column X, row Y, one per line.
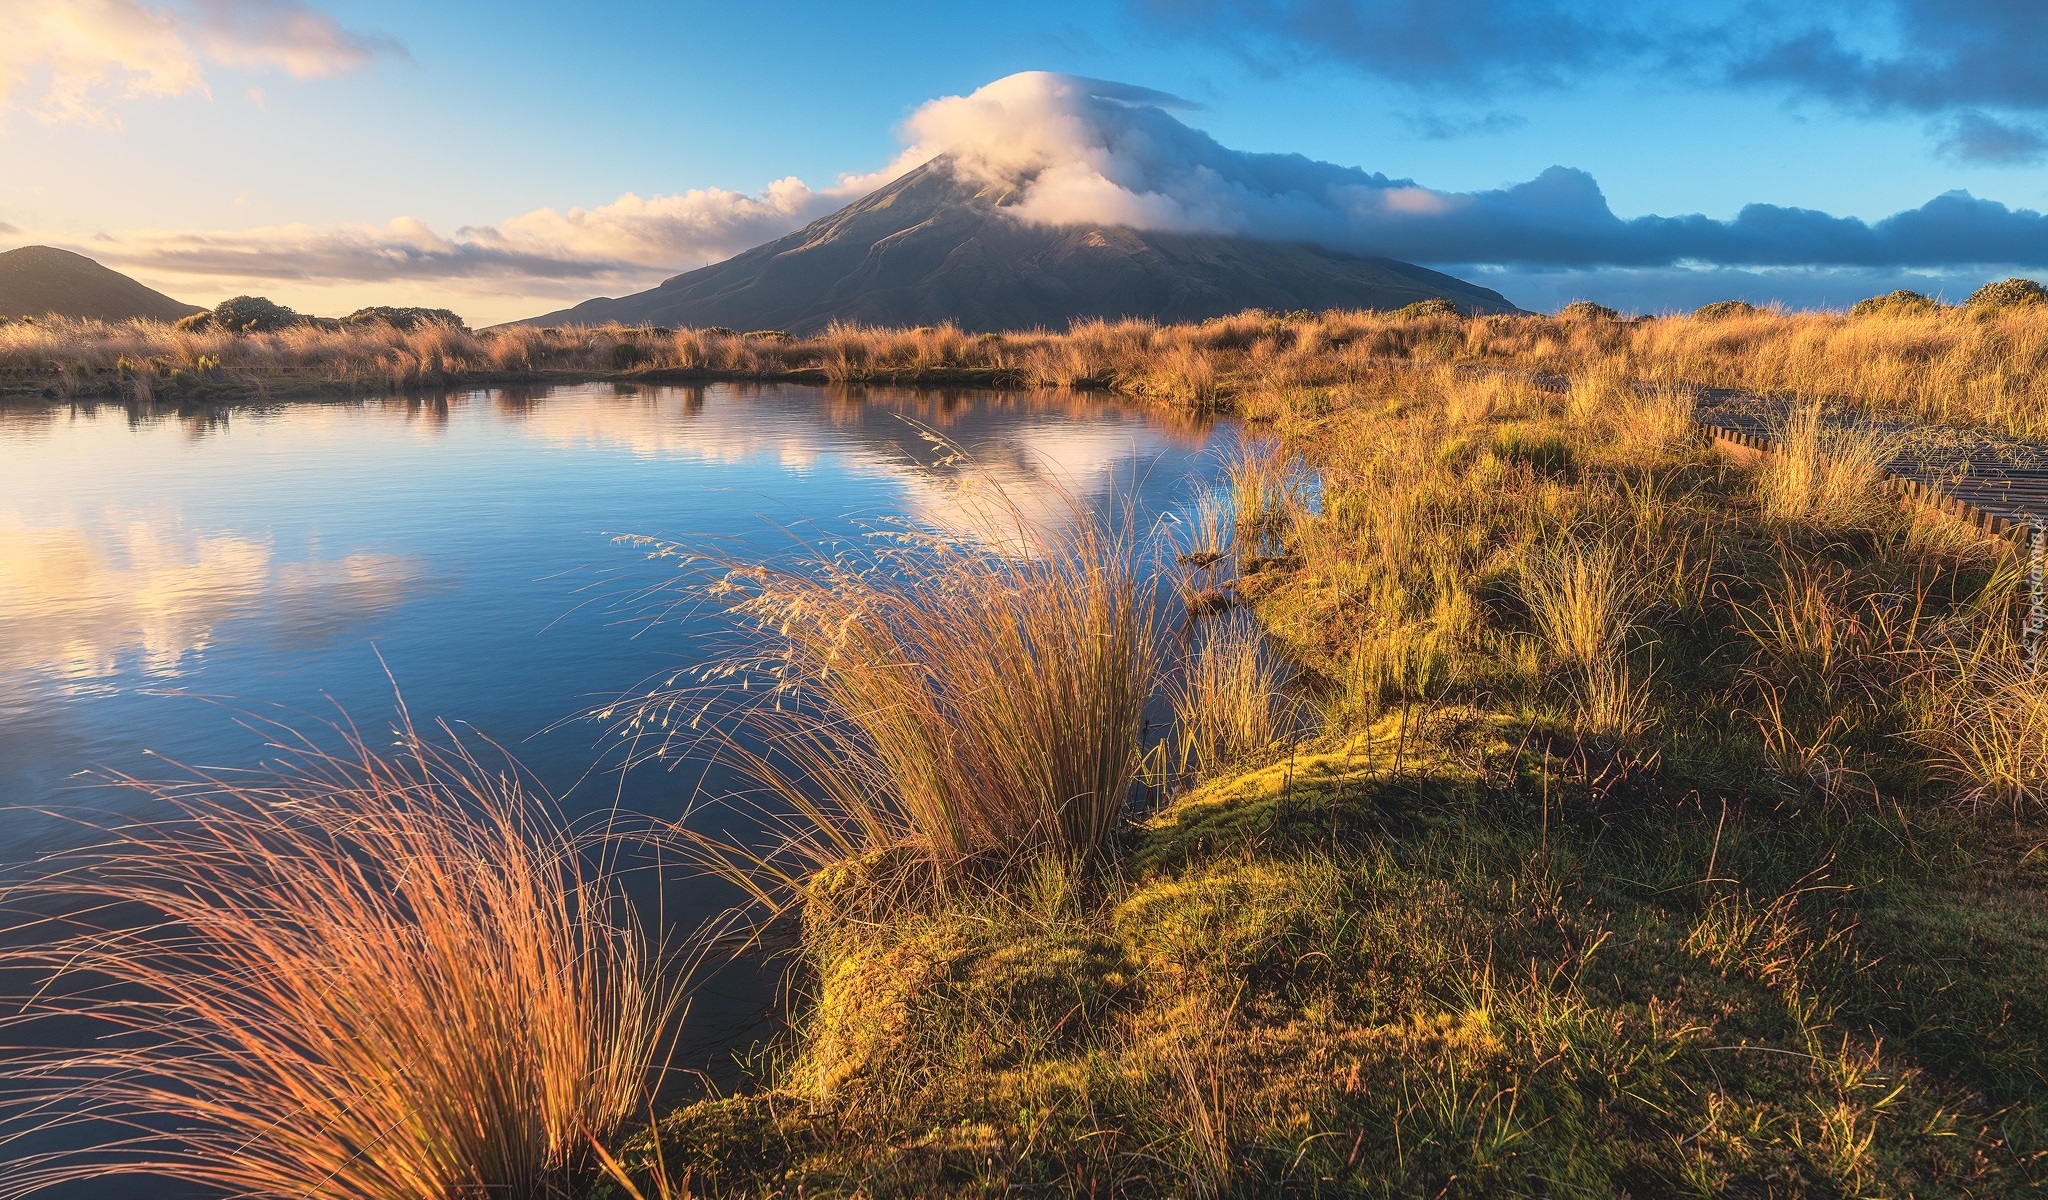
column 373, row 975
column 1976, row 366
column 1827, row 477
column 1624, row 770
column 1628, row 839
column 1229, row 698
column 922, row 693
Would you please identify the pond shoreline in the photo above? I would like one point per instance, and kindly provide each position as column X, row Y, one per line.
column 270, row 388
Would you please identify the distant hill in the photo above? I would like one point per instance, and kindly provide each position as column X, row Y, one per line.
column 38, row 281
column 931, row 247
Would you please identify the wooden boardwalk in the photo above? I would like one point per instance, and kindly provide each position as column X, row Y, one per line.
column 1999, row 497
column 1998, row 484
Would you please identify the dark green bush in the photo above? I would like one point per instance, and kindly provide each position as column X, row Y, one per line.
column 2007, row 293
column 407, row 319
column 1900, row 301
column 1586, row 310
column 1720, row 309
column 1435, row 306
column 245, row 314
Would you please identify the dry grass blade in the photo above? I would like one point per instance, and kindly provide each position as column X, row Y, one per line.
column 375, row 975
column 1825, row 476
column 920, row 692
column 1581, row 598
column 1986, row 726
column 1229, row 698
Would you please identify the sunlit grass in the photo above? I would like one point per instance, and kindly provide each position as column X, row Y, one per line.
column 1229, row 696
column 373, row 974
column 1974, row 366
column 920, row 693
column 1638, row 844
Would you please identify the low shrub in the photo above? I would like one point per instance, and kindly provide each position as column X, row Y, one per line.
column 1435, row 306
column 1586, row 310
column 1900, row 301
column 407, row 319
column 1722, row 309
column 2007, row 293
column 245, row 314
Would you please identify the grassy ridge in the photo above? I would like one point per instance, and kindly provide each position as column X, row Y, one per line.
column 1652, row 838
column 1972, row 366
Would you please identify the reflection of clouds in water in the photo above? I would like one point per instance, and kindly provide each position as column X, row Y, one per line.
column 78, row 603
column 1032, row 478
column 1031, row 456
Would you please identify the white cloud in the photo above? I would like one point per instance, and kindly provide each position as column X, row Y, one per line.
column 1064, row 149
column 529, row 261
column 71, row 61
column 1077, row 150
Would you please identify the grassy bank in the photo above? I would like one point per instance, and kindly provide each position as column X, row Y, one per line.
column 1972, row 366
column 1647, row 825
column 1552, row 806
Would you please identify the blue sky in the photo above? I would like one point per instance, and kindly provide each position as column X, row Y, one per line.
column 321, row 154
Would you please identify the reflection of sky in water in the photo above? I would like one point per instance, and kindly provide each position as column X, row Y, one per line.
column 269, row 556
column 280, row 558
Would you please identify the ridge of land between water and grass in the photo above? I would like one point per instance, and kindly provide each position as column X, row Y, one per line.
column 1555, row 802
column 1977, row 367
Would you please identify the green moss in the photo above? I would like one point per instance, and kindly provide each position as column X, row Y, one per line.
column 1452, row 950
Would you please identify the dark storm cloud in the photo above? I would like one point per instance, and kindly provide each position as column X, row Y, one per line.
column 1973, row 136
column 1932, row 57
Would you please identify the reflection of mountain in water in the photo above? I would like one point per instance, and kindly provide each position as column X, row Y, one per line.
column 962, row 458
column 945, row 447
column 84, row 599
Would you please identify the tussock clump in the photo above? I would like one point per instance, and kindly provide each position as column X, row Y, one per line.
column 1986, row 725
column 1826, row 476
column 1546, row 453
column 975, row 707
column 376, row 975
column 1583, row 602
column 1229, row 697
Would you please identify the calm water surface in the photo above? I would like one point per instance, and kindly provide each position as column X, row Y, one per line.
column 282, row 558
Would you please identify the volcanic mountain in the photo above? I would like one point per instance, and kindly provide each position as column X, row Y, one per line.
column 38, row 281
column 934, row 247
